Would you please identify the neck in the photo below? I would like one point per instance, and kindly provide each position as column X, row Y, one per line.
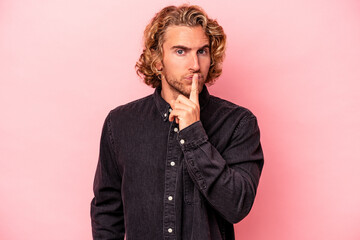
column 168, row 96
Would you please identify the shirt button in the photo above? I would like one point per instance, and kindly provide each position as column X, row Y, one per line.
column 170, row 230
column 172, row 164
column 165, row 114
column 176, row 129
column 170, row 198
column 170, row 110
column 182, row 141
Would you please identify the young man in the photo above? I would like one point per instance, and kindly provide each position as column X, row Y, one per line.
column 178, row 164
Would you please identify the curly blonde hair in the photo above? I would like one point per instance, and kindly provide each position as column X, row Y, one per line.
column 183, row 15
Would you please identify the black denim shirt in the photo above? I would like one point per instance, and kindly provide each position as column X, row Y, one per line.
column 156, row 182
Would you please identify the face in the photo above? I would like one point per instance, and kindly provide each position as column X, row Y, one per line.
column 186, row 51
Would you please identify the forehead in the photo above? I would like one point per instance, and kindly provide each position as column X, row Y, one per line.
column 185, row 36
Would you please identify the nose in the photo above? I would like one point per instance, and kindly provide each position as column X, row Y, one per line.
column 194, row 65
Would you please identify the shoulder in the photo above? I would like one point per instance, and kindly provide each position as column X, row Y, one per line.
column 240, row 120
column 225, row 121
column 128, row 116
column 132, row 108
column 125, row 115
column 224, row 107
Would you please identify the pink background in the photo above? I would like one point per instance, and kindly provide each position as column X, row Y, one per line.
column 295, row 64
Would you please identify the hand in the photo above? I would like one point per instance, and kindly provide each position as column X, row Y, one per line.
column 185, row 110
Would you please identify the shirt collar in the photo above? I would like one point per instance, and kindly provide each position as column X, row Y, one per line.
column 164, row 107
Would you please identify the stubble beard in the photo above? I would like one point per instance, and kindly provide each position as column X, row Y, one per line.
column 177, row 85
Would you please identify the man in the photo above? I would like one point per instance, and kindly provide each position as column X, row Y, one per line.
column 178, row 164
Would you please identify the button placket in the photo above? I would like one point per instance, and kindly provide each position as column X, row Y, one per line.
column 170, row 182
column 166, row 114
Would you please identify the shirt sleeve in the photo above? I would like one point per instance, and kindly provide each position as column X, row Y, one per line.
column 107, row 217
column 228, row 181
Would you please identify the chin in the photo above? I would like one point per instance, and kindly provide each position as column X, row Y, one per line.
column 186, row 94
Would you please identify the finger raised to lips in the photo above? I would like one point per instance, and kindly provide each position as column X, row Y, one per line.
column 194, row 94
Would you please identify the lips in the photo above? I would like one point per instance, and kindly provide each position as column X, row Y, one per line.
column 190, row 77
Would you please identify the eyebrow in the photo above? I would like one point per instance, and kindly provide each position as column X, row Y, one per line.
column 187, row 48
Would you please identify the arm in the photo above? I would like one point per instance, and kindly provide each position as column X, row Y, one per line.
column 228, row 181
column 107, row 217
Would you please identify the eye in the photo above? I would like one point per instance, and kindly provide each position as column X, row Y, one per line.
column 180, row 51
column 202, row 51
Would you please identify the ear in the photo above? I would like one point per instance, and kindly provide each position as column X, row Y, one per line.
column 158, row 62
column 159, row 66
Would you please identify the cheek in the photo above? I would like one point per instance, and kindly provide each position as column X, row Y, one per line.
column 205, row 60
column 205, row 65
column 175, row 64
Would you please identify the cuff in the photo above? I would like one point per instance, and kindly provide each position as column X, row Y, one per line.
column 192, row 136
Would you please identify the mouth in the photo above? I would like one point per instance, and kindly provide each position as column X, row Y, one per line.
column 190, row 77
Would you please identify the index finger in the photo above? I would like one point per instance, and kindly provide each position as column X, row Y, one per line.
column 194, row 94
